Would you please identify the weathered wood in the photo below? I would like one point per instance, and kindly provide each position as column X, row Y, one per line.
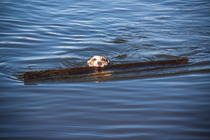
column 85, row 70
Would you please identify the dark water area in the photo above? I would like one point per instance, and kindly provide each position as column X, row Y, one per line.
column 168, row 102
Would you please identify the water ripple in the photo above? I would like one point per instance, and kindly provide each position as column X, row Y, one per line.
column 147, row 103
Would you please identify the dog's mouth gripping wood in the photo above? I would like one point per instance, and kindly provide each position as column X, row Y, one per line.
column 85, row 70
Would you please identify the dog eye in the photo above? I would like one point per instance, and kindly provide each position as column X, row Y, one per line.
column 94, row 59
column 103, row 59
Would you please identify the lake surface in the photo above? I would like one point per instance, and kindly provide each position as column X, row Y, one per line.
column 168, row 102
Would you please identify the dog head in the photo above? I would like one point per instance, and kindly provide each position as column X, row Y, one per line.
column 98, row 61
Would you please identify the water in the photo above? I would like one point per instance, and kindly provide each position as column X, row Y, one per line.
column 169, row 102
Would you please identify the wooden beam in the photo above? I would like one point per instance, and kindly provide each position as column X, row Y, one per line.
column 86, row 70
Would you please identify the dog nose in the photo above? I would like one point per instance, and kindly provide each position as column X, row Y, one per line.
column 99, row 63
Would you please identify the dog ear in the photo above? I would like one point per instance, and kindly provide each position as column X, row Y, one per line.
column 88, row 62
column 108, row 61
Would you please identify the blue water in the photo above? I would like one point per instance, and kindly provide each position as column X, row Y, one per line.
column 170, row 102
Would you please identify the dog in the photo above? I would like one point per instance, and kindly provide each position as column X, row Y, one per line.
column 98, row 61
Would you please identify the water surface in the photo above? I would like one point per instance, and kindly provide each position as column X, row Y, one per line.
column 170, row 102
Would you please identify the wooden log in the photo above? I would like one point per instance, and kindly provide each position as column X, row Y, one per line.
column 86, row 70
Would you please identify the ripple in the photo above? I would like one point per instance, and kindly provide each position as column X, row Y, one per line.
column 170, row 102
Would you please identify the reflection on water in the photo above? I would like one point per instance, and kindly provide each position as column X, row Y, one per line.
column 147, row 103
